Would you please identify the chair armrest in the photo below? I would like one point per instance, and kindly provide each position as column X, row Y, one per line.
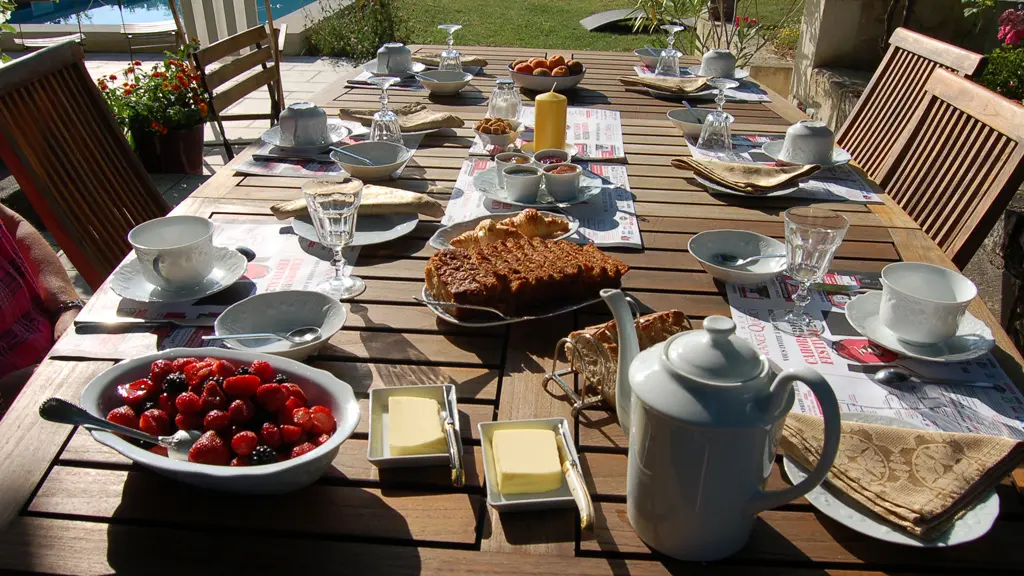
column 281, row 35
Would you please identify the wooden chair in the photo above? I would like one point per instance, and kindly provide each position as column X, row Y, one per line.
column 265, row 54
column 70, row 157
column 169, row 34
column 893, row 93
column 958, row 163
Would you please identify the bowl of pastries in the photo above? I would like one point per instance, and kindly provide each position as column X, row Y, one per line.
column 492, row 228
column 544, row 74
column 497, row 131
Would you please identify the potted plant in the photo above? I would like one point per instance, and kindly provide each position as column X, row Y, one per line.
column 1004, row 71
column 162, row 111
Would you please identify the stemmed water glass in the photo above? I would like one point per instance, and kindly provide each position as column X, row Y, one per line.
column 450, row 57
column 812, row 236
column 385, row 126
column 715, row 134
column 333, row 212
column 668, row 61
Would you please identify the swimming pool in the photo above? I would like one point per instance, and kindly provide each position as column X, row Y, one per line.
column 109, row 12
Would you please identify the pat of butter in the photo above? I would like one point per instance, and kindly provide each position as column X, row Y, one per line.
column 414, row 426
column 526, row 461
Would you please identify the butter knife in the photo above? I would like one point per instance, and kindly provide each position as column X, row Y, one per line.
column 574, row 478
column 454, row 442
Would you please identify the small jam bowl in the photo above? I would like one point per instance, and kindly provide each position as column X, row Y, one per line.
column 561, row 157
column 562, row 187
column 444, row 82
column 522, row 183
column 506, row 159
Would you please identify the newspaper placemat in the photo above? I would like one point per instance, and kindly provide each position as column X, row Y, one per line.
column 836, row 184
column 846, row 359
column 131, row 342
column 608, row 220
column 746, row 92
column 597, row 134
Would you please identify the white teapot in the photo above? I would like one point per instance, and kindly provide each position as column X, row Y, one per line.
column 704, row 414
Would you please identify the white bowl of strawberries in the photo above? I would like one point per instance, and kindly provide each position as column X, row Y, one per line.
column 270, row 425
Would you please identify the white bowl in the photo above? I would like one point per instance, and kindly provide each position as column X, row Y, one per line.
column 648, row 56
column 562, row 155
column 280, row 313
column 742, row 244
column 546, row 83
column 444, row 82
column 522, row 183
column 100, row 396
column 501, row 140
column 386, row 157
column 562, row 187
column 684, row 122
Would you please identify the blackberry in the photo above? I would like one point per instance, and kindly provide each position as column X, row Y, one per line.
column 218, row 380
column 281, row 379
column 263, row 454
column 243, row 370
column 175, row 384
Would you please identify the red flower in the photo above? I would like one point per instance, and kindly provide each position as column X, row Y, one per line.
column 124, row 85
column 137, row 63
column 175, row 87
column 737, row 20
column 181, row 79
column 202, row 109
column 753, row 21
column 112, row 76
column 158, row 127
column 746, row 19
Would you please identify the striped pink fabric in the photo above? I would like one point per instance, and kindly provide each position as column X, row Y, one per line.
column 26, row 331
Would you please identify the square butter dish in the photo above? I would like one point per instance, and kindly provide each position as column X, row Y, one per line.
column 377, row 448
column 561, row 498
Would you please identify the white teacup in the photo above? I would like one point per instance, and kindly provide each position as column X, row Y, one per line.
column 718, row 63
column 174, row 252
column 808, row 142
column 522, row 183
column 394, row 58
column 922, row 304
column 505, row 159
column 562, row 187
column 303, row 124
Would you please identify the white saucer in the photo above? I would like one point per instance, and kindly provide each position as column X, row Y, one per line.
column 737, row 74
column 774, row 150
column 375, row 229
column 371, row 68
column 487, row 183
column 718, row 188
column 708, row 94
column 569, row 147
column 127, row 280
column 337, row 131
column 850, row 513
column 973, row 338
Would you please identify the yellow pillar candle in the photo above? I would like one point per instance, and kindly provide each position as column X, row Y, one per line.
column 549, row 122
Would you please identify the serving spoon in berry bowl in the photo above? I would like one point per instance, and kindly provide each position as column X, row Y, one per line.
column 64, row 412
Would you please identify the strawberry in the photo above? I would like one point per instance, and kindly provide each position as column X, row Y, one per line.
column 213, row 398
column 240, row 411
column 165, row 403
column 124, row 416
column 241, row 386
column 320, row 439
column 291, row 405
column 323, row 423
column 240, row 461
column 271, row 396
column 196, row 374
column 262, row 369
column 322, row 409
column 159, row 450
column 155, row 422
column 301, row 449
column 244, row 443
column 223, row 369
column 210, row 449
column 134, row 393
column 270, row 435
column 188, row 421
column 303, row 418
column 295, row 392
column 159, row 371
column 290, row 434
column 179, row 363
column 216, row 420
column 188, row 403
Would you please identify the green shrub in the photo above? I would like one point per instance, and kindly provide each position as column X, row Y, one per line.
column 6, row 7
column 357, row 30
column 1004, row 72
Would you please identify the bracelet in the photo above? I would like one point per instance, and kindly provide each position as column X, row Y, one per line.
column 70, row 305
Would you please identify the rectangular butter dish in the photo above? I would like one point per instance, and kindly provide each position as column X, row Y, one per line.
column 561, row 498
column 377, row 448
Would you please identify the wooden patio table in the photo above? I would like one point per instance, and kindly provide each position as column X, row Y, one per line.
column 70, row 505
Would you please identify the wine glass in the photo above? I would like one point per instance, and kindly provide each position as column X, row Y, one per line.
column 505, row 101
column 715, row 133
column 812, row 236
column 333, row 212
column 668, row 61
column 450, row 57
column 385, row 126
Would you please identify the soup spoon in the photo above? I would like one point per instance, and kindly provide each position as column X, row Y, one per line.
column 303, row 335
column 356, row 156
column 732, row 260
column 64, row 412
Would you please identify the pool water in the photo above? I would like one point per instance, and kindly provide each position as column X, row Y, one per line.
column 110, row 12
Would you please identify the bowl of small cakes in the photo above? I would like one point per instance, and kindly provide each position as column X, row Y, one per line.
column 545, row 74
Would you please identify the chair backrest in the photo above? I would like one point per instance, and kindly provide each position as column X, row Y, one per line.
column 71, row 159
column 958, row 163
column 893, row 93
column 237, row 77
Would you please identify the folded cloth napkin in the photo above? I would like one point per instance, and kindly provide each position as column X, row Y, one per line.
column 751, row 179
column 434, row 59
column 375, row 200
column 411, row 117
column 920, row 480
column 673, row 85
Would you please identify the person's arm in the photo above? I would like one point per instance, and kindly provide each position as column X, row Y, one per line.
column 45, row 267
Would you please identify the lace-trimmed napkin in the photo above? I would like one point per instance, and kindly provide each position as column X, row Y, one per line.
column 919, row 480
column 751, row 179
column 411, row 117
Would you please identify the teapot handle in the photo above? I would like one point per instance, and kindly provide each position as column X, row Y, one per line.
column 830, row 411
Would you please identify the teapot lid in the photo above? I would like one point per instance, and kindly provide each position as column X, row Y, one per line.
column 715, row 354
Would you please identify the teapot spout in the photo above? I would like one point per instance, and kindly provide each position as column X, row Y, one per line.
column 629, row 347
